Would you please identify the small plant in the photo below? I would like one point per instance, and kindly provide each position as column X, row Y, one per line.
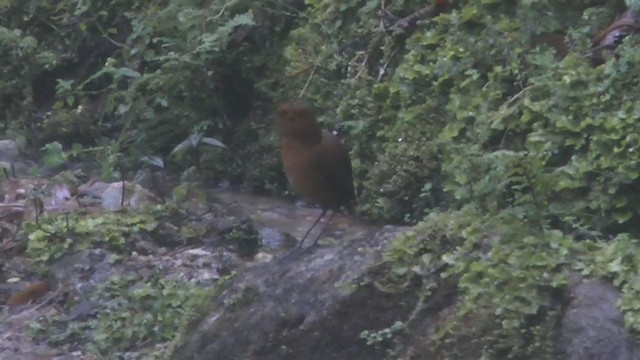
column 54, row 236
column 245, row 238
column 134, row 312
column 383, row 338
column 191, row 146
column 374, row 337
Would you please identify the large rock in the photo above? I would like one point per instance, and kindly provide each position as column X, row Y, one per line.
column 593, row 326
column 312, row 305
column 316, row 304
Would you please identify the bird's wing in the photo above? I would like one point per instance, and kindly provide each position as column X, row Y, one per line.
column 340, row 176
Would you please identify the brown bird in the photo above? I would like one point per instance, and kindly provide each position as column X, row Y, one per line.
column 316, row 163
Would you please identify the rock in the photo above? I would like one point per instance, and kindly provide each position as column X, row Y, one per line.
column 9, row 150
column 9, row 155
column 275, row 239
column 311, row 305
column 593, row 327
column 111, row 198
column 85, row 270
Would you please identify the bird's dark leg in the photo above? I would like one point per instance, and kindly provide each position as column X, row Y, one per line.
column 325, row 228
column 324, row 211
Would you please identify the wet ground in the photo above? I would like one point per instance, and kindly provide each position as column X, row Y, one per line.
column 289, row 218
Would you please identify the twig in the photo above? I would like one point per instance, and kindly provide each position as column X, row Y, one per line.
column 383, row 69
column 104, row 33
column 53, row 26
column 53, row 295
column 505, row 106
column 313, row 71
column 123, row 188
column 224, row 8
column 516, row 96
column 363, row 65
column 299, row 71
column 408, row 22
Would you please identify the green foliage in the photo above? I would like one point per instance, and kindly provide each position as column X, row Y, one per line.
column 192, row 142
column 511, row 279
column 133, row 313
column 148, row 312
column 618, row 260
column 383, row 336
column 633, row 4
column 54, row 156
column 470, row 108
column 509, row 276
column 57, row 235
column 512, row 151
column 517, row 284
column 136, row 78
column 192, row 146
column 467, row 107
column 373, row 337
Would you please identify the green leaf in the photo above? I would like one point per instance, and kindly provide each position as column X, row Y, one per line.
column 54, row 156
column 153, row 160
column 212, row 141
column 128, row 72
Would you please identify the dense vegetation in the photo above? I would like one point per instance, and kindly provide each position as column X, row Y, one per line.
column 467, row 121
column 466, row 108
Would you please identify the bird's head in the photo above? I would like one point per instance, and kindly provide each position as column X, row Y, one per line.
column 298, row 121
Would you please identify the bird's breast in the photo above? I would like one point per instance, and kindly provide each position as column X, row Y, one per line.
column 297, row 160
column 302, row 165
